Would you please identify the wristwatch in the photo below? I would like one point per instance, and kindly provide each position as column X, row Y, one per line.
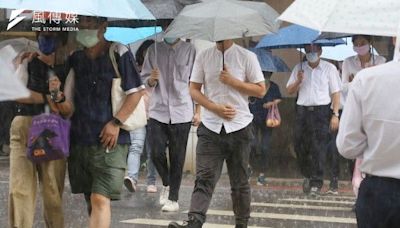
column 335, row 114
column 116, row 122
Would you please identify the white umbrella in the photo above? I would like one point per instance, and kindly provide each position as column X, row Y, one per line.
column 224, row 19
column 11, row 87
column 21, row 45
column 127, row 9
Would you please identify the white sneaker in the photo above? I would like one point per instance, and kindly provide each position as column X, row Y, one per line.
column 151, row 188
column 170, row 206
column 164, row 195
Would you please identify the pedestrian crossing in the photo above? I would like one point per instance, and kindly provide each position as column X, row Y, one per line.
column 290, row 211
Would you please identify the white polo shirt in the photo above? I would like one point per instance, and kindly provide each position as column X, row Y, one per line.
column 244, row 66
column 370, row 123
column 318, row 83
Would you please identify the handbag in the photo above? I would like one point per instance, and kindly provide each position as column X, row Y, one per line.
column 273, row 117
column 48, row 138
column 138, row 117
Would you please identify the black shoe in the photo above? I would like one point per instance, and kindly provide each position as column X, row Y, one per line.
column 334, row 183
column 191, row 223
column 315, row 191
column 241, row 226
column 306, row 186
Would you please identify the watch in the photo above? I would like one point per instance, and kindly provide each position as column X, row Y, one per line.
column 335, row 114
column 116, row 121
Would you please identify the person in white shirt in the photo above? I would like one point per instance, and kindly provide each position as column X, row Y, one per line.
column 369, row 129
column 225, row 132
column 351, row 66
column 317, row 83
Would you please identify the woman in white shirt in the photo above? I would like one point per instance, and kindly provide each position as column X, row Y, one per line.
column 351, row 66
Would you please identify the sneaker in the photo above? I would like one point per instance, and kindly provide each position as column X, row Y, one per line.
column 130, row 184
column 164, row 195
column 332, row 191
column 315, row 191
column 151, row 188
column 261, row 181
column 170, row 206
column 191, row 223
column 306, row 186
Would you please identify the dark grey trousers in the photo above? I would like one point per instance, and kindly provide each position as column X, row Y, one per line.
column 211, row 152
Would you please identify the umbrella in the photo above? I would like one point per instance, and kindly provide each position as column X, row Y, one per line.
column 370, row 17
column 20, row 45
column 161, row 9
column 268, row 62
column 294, row 36
column 224, row 19
column 11, row 87
column 127, row 9
column 130, row 35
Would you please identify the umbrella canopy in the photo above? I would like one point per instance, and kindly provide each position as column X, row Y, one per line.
column 20, row 45
column 370, row 17
column 161, row 9
column 224, row 19
column 268, row 62
column 127, row 9
column 130, row 35
column 295, row 36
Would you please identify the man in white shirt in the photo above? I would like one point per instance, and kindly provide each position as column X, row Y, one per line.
column 225, row 132
column 369, row 129
column 317, row 83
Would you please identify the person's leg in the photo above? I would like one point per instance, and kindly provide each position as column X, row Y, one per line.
column 238, row 150
column 101, row 211
column 334, row 158
column 265, row 146
column 151, row 169
column 23, row 176
column 135, row 150
column 51, row 178
column 178, row 137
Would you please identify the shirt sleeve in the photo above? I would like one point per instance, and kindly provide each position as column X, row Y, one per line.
column 148, row 64
column 335, row 84
column 198, row 74
column 352, row 139
column 293, row 75
column 345, row 75
column 130, row 78
column 253, row 70
column 277, row 93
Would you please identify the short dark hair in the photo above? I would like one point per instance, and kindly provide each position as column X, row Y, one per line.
column 139, row 56
column 367, row 37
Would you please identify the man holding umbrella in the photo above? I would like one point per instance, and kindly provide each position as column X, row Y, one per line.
column 317, row 83
column 225, row 132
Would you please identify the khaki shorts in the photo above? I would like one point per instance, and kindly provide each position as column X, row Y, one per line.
column 93, row 170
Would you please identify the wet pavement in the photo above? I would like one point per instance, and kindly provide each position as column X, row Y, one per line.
column 279, row 204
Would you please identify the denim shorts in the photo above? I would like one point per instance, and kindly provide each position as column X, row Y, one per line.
column 93, row 169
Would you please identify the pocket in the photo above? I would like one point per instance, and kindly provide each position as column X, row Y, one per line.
column 182, row 73
column 116, row 158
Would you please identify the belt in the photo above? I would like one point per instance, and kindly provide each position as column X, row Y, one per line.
column 314, row 108
column 28, row 110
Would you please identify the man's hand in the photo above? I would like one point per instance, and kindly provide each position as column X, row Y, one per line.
column 225, row 111
column 154, row 77
column 334, row 123
column 300, row 76
column 27, row 55
column 268, row 105
column 109, row 135
column 226, row 77
column 196, row 119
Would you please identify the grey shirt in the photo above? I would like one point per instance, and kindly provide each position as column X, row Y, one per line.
column 170, row 101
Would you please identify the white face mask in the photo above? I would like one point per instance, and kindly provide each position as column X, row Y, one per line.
column 87, row 37
column 170, row 40
column 312, row 57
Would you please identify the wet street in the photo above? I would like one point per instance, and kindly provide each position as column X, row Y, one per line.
column 279, row 204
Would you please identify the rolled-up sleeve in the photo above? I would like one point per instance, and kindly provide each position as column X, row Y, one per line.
column 253, row 70
column 130, row 78
column 198, row 75
column 352, row 140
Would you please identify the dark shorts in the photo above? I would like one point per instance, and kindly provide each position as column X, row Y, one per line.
column 93, row 170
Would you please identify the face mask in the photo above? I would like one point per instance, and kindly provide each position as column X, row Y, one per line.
column 47, row 44
column 363, row 50
column 87, row 37
column 170, row 40
column 312, row 57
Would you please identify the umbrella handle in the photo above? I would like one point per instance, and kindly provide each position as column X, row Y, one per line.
column 155, row 44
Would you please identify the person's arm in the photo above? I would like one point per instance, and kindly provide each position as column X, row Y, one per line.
column 150, row 73
column 334, row 124
column 347, row 77
column 295, row 81
column 64, row 101
column 352, row 140
column 196, row 118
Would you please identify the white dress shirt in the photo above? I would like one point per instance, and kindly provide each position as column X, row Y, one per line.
column 318, row 83
column 243, row 65
column 352, row 65
column 370, row 124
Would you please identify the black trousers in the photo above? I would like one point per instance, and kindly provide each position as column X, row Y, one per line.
column 311, row 141
column 211, row 152
column 175, row 136
column 378, row 203
column 333, row 155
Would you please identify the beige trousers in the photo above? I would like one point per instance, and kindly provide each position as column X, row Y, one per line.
column 24, row 177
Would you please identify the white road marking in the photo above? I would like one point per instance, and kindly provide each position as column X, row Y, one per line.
column 159, row 222
column 318, row 201
column 298, row 206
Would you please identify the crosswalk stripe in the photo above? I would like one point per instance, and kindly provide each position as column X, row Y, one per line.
column 297, row 206
column 318, row 201
column 160, row 222
column 288, row 217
